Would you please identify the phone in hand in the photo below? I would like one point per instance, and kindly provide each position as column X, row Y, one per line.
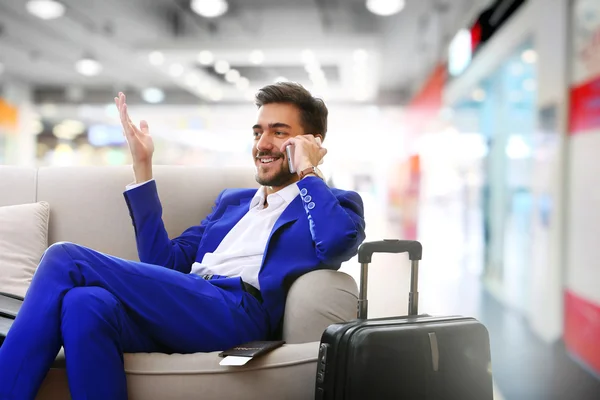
column 289, row 149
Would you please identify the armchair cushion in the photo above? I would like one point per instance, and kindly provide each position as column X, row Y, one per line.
column 23, row 240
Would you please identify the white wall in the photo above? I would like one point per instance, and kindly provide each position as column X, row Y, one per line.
column 545, row 23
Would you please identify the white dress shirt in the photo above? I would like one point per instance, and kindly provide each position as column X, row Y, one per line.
column 241, row 251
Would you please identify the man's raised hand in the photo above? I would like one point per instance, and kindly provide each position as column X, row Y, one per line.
column 139, row 140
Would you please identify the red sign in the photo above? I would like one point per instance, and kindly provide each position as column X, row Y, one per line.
column 582, row 329
column 585, row 107
column 425, row 106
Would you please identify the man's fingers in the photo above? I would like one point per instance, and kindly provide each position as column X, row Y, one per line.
column 144, row 127
column 291, row 141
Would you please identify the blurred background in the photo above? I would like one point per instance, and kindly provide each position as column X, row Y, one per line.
column 470, row 125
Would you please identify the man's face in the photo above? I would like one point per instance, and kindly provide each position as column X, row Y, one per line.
column 276, row 123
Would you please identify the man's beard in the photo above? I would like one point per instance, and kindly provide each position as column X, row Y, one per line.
column 281, row 177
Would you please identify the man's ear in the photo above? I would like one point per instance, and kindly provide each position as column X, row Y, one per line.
column 318, row 135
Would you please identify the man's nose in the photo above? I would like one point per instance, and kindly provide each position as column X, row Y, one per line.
column 264, row 143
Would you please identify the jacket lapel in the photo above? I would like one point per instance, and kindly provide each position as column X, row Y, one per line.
column 232, row 215
column 291, row 213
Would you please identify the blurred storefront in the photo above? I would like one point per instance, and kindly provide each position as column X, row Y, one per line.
column 506, row 88
column 582, row 286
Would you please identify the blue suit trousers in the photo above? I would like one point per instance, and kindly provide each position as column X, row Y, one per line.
column 98, row 307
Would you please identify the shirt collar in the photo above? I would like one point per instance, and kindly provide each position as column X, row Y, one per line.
column 287, row 195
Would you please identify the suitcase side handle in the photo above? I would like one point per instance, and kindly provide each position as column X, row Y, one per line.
column 365, row 254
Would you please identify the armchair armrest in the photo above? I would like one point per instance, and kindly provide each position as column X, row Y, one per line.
column 317, row 300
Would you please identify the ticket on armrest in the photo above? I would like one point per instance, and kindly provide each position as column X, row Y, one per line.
column 241, row 354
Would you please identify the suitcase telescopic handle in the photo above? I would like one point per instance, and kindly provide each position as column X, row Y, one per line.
column 365, row 254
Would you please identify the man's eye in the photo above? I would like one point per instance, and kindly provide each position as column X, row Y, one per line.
column 279, row 133
column 256, row 134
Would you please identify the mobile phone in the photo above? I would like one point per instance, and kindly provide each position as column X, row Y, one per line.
column 289, row 149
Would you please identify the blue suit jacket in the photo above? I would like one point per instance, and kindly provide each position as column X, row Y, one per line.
column 320, row 229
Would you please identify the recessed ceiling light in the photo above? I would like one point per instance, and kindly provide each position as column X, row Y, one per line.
column 176, row 70
column 232, row 76
column 221, row 67
column 243, row 83
column 209, row 8
column 153, row 95
column 206, row 57
column 257, row 57
column 156, row 58
column 192, row 79
column 88, row 66
column 216, row 94
column 385, row 7
column 46, row 9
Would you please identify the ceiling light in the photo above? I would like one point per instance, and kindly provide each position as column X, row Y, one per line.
column 221, row 67
column 46, row 9
column 216, row 94
column 87, row 66
column 176, row 70
column 529, row 56
column 206, row 57
column 204, row 87
column 209, row 8
column 153, row 95
column 192, row 79
column 243, row 83
column 156, row 58
column 232, row 76
column 360, row 55
column 257, row 57
column 385, row 7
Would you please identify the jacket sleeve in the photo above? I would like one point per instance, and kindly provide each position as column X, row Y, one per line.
column 336, row 222
column 153, row 243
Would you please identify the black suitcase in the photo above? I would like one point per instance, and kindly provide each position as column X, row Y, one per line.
column 412, row 357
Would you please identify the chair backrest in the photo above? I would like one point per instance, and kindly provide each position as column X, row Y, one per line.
column 87, row 204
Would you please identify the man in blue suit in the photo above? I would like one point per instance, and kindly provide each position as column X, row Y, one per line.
column 219, row 284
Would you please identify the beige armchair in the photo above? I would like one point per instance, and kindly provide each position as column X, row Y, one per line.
column 87, row 207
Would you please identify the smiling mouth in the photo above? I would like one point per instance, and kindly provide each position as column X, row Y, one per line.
column 267, row 160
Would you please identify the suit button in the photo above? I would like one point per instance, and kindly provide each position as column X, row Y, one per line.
column 311, row 205
column 303, row 192
column 307, row 199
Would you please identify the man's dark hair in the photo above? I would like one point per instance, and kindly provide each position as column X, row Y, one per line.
column 313, row 112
